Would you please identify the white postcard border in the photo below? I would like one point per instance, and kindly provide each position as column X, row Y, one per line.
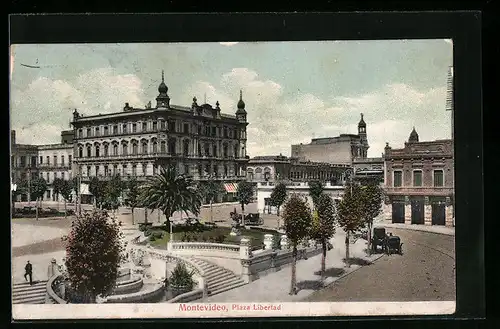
column 227, row 310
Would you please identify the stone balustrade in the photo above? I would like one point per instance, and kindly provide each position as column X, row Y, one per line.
column 180, row 246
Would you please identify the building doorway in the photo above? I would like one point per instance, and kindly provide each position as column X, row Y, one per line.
column 398, row 212
column 438, row 211
column 417, row 211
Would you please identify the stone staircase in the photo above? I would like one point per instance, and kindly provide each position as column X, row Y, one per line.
column 23, row 293
column 218, row 279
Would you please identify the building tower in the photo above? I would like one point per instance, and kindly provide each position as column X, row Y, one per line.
column 162, row 101
column 241, row 115
column 363, row 138
column 413, row 136
column 449, row 96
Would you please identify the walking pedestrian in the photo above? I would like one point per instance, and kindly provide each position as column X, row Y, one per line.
column 28, row 271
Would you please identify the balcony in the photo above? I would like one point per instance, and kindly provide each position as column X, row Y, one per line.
column 425, row 190
column 59, row 166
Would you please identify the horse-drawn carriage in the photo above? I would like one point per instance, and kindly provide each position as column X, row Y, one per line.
column 389, row 243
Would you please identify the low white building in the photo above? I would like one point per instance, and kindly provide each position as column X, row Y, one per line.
column 265, row 189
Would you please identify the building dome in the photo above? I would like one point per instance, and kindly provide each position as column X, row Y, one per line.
column 162, row 88
column 413, row 136
column 362, row 122
column 241, row 103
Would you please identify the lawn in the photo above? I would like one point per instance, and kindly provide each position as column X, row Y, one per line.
column 213, row 235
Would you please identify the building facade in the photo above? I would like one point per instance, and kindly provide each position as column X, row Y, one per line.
column 369, row 168
column 265, row 189
column 419, row 180
column 23, row 164
column 54, row 161
column 199, row 140
column 273, row 168
column 49, row 161
column 342, row 149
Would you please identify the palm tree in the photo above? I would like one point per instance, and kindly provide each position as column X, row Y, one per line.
column 210, row 190
column 170, row 192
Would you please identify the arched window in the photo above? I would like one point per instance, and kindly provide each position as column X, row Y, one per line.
column 115, row 149
column 155, row 147
column 199, row 150
column 144, row 147
column 214, row 150
column 185, row 148
column 135, row 148
column 163, row 147
column 250, row 174
column 172, row 145
column 258, row 173
column 124, row 149
column 106, row 149
column 224, row 150
column 80, row 151
column 207, row 150
column 89, row 151
column 97, row 150
column 236, row 151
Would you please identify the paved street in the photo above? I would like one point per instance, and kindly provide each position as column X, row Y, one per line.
column 426, row 271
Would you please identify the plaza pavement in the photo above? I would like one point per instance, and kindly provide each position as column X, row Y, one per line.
column 26, row 234
column 40, row 265
column 275, row 286
column 445, row 230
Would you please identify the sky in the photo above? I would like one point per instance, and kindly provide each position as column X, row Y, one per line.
column 293, row 91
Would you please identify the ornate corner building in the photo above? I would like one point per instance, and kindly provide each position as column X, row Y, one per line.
column 200, row 140
column 419, row 182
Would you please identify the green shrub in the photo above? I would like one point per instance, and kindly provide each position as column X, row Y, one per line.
column 152, row 238
column 181, row 277
column 157, row 234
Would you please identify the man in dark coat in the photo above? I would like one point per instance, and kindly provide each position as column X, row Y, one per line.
column 28, row 269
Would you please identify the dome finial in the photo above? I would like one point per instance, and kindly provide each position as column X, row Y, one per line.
column 241, row 103
column 241, row 94
column 162, row 76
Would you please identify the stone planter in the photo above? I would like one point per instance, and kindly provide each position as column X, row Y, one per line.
column 178, row 290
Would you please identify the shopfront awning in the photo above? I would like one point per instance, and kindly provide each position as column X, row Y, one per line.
column 230, row 187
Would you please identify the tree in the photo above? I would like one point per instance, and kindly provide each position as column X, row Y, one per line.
column 278, row 197
column 315, row 191
column 112, row 191
column 94, row 251
column 170, row 192
column 38, row 188
column 350, row 213
column 132, row 199
column 297, row 217
column 76, row 187
column 210, row 190
column 57, row 186
column 244, row 195
column 323, row 225
column 66, row 192
column 98, row 190
column 372, row 197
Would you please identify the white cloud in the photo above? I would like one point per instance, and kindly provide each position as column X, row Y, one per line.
column 276, row 123
column 228, row 43
column 97, row 91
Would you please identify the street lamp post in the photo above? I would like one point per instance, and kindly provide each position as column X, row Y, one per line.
column 29, row 187
column 348, row 177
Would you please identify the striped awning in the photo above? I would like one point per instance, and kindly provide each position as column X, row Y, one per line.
column 230, row 187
